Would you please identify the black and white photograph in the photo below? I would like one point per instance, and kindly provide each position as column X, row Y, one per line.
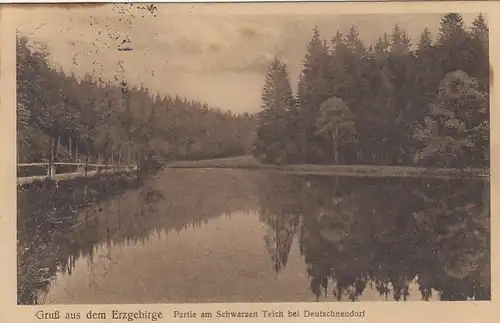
column 177, row 153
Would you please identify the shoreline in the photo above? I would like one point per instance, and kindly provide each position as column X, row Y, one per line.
column 248, row 163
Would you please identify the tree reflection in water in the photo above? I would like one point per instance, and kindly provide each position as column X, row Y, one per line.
column 52, row 236
column 278, row 210
column 382, row 233
column 354, row 234
column 44, row 218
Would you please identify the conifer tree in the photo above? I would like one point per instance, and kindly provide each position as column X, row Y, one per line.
column 401, row 62
column 277, row 104
column 479, row 52
column 340, row 79
column 425, row 41
column 103, row 118
column 480, row 31
column 428, row 74
column 313, row 89
column 452, row 30
column 381, row 49
column 452, row 44
column 400, row 42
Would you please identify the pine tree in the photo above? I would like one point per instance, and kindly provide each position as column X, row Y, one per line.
column 339, row 78
column 452, row 30
column 293, row 142
column 452, row 44
column 425, row 41
column 355, row 66
column 480, row 31
column 401, row 62
column 400, row 42
column 479, row 52
column 277, row 104
column 312, row 90
column 381, row 49
column 428, row 74
column 354, row 43
column 375, row 121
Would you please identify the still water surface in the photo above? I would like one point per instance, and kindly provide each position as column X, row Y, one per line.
column 246, row 236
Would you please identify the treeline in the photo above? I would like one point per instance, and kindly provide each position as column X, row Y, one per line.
column 61, row 116
column 390, row 103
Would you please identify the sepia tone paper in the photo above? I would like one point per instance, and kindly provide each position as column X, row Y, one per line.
column 205, row 233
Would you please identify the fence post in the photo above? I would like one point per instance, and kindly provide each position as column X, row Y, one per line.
column 52, row 171
column 106, row 161
column 51, row 158
column 86, row 163
column 57, row 147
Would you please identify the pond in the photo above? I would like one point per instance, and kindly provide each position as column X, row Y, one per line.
column 220, row 235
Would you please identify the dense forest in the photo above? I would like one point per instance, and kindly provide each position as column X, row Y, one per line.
column 390, row 103
column 104, row 121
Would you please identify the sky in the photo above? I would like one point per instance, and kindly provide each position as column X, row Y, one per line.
column 215, row 56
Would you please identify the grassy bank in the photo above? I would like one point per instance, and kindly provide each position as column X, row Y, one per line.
column 248, row 162
column 45, row 211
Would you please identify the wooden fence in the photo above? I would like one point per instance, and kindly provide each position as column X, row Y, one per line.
column 75, row 170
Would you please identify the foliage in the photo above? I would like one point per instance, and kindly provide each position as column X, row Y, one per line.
column 278, row 106
column 393, row 91
column 455, row 128
column 105, row 120
column 336, row 122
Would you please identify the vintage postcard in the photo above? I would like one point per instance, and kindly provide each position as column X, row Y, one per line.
column 249, row 161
